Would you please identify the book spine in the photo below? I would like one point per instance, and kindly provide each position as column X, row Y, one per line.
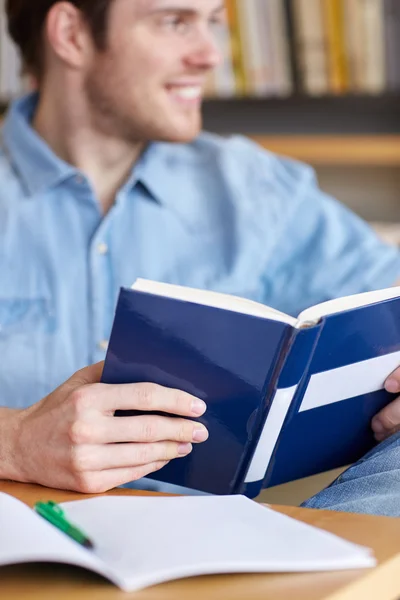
column 236, row 47
column 375, row 69
column 263, row 28
column 256, row 47
column 290, row 370
column 249, row 46
column 293, row 55
column 311, row 46
column 392, row 40
column 280, row 49
column 355, row 43
column 293, row 380
column 337, row 56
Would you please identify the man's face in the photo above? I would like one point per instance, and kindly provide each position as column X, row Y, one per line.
column 148, row 83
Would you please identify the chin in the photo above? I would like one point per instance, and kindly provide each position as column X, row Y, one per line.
column 182, row 130
column 184, row 138
column 176, row 137
column 183, row 135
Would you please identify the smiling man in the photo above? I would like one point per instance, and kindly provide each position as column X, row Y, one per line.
column 105, row 177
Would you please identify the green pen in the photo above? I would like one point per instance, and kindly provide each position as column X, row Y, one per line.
column 53, row 513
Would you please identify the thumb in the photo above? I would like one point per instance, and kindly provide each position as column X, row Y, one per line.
column 88, row 375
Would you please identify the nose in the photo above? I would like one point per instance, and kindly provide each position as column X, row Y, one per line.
column 206, row 53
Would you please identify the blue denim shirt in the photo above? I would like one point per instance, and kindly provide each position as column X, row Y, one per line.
column 217, row 213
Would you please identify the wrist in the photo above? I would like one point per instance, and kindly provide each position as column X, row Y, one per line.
column 9, row 433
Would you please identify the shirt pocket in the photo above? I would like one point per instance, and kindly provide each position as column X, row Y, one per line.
column 19, row 316
column 26, row 342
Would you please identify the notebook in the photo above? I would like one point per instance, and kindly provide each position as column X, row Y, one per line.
column 287, row 398
column 139, row 542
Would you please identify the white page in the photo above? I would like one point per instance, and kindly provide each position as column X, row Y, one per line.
column 145, row 541
column 26, row 537
column 210, row 298
column 234, row 303
column 150, row 540
column 314, row 313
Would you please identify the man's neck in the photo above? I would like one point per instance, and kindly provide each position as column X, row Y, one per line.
column 107, row 162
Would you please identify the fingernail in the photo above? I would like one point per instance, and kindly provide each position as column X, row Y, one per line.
column 184, row 449
column 198, row 407
column 377, row 426
column 200, row 434
column 392, row 386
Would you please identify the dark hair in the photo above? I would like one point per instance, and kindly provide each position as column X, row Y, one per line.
column 27, row 18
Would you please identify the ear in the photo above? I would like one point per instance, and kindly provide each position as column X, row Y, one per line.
column 67, row 34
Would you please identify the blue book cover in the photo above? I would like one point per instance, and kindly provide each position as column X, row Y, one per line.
column 285, row 400
column 328, row 423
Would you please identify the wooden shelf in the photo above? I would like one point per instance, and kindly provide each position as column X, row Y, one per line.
column 362, row 150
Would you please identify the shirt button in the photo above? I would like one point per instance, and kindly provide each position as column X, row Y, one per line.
column 102, row 249
column 103, row 345
column 79, row 179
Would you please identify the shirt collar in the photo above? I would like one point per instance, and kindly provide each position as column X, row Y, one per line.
column 38, row 166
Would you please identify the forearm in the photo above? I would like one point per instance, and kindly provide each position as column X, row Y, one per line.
column 8, row 437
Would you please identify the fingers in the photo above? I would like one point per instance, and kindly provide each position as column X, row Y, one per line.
column 387, row 421
column 142, row 429
column 146, row 397
column 99, row 482
column 116, row 456
column 392, row 383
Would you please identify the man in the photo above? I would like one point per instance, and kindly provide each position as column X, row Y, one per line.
column 105, row 178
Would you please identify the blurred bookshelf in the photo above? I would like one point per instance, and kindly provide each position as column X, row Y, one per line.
column 317, row 81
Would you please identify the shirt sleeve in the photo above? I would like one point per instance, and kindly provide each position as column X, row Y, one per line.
column 323, row 250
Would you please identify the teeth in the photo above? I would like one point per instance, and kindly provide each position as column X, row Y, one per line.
column 188, row 93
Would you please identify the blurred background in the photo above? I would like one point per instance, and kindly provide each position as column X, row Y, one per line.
column 316, row 80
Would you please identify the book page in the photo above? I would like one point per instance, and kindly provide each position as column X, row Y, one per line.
column 215, row 299
column 338, row 305
column 143, row 541
column 25, row 537
column 150, row 540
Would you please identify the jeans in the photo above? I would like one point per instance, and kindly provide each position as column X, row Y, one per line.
column 372, row 485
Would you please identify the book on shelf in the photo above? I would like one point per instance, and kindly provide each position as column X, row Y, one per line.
column 333, row 14
column 392, row 41
column 317, row 47
column 311, row 46
column 287, row 397
column 354, row 33
column 279, row 32
column 374, row 46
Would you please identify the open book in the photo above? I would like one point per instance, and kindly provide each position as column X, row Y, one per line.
column 140, row 542
column 286, row 397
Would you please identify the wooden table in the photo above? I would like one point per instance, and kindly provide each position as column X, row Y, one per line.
column 50, row 582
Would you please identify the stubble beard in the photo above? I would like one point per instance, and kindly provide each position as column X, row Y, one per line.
column 109, row 116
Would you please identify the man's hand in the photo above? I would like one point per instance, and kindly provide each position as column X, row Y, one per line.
column 387, row 421
column 71, row 440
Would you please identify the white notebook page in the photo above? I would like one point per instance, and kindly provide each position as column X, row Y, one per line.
column 144, row 541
